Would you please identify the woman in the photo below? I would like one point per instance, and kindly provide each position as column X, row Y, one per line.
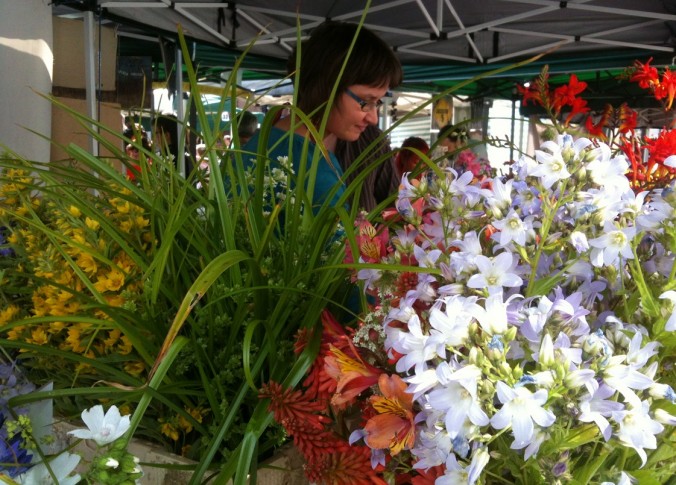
column 406, row 161
column 372, row 69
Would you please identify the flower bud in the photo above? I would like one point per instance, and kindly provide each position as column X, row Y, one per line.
column 546, row 356
column 475, row 357
column 112, row 463
column 596, row 345
column 662, row 391
column 651, row 370
column 661, row 416
column 510, row 334
column 544, row 379
column 568, row 154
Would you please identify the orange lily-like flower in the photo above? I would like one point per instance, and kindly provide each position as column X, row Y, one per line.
column 393, row 427
column 353, row 374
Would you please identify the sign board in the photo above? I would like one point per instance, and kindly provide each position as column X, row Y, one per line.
column 442, row 112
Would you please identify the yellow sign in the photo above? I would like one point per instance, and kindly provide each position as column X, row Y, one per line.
column 442, row 112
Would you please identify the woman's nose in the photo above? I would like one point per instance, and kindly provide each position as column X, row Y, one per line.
column 372, row 116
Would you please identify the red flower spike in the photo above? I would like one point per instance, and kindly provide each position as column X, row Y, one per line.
column 288, row 405
column 351, row 467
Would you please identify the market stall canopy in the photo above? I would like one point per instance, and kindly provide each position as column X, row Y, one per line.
column 438, row 41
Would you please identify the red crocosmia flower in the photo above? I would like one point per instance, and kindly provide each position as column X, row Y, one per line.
column 394, row 426
column 578, row 107
column 597, row 129
column 666, row 88
column 530, row 93
column 626, row 118
column 566, row 95
column 650, row 173
column 645, row 75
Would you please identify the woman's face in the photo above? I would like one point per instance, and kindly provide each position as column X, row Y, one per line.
column 451, row 146
column 347, row 121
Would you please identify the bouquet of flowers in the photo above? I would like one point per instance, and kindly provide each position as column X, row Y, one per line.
column 521, row 329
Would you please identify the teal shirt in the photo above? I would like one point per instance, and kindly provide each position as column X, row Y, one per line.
column 329, row 172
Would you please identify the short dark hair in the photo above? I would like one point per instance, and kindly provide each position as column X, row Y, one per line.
column 454, row 133
column 247, row 124
column 134, row 133
column 372, row 62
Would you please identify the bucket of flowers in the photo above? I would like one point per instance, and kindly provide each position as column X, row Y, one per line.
column 521, row 328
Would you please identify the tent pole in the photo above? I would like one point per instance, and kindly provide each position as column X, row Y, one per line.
column 180, row 113
column 90, row 76
column 511, row 146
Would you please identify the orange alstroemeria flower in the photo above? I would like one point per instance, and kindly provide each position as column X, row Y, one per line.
column 394, row 426
column 352, row 373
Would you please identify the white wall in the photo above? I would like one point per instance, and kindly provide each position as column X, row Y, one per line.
column 27, row 64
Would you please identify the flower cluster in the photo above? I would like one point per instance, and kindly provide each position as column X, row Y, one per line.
column 468, row 161
column 650, row 166
column 531, row 327
column 16, row 440
column 81, row 259
column 112, row 465
column 522, row 327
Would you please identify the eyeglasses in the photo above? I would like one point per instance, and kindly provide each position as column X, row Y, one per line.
column 365, row 106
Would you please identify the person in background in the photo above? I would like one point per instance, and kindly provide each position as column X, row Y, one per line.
column 407, row 160
column 380, row 182
column 137, row 139
column 166, row 138
column 453, row 139
column 460, row 157
column 247, row 126
column 371, row 70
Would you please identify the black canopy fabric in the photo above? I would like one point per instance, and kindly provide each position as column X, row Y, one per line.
column 439, row 41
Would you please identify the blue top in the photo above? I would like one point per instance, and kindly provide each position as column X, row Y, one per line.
column 329, row 172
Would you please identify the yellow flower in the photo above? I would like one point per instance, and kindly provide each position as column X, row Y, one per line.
column 197, row 413
column 125, row 409
column 87, row 263
column 141, row 222
column 113, row 337
column 115, row 280
column 56, row 327
column 74, row 340
column 115, row 300
column 74, row 211
column 124, row 207
column 91, row 223
column 125, row 347
column 16, row 333
column 8, row 314
column 38, row 336
column 126, row 226
column 169, row 430
column 134, row 368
